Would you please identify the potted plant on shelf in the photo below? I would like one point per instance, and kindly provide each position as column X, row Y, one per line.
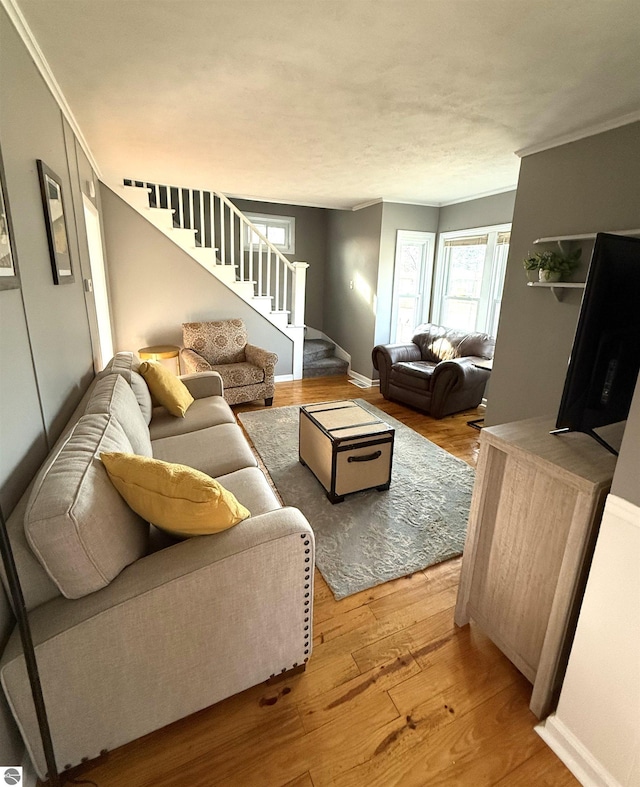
column 552, row 265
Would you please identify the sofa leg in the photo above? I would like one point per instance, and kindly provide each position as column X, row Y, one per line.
column 268, row 402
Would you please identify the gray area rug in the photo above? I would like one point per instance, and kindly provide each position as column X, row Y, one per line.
column 372, row 536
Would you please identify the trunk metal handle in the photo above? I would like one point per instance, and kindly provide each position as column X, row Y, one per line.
column 365, row 457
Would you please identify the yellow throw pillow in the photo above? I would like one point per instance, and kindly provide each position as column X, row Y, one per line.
column 175, row 498
column 166, row 388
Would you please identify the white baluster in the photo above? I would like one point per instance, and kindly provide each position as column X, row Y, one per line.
column 285, row 277
column 268, row 271
column 250, row 253
column 223, row 252
column 203, row 234
column 260, row 288
column 232, row 241
column 277, row 300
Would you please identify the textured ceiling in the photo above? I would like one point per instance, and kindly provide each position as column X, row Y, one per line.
column 336, row 102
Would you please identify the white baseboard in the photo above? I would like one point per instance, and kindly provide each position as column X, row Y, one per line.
column 361, row 380
column 582, row 764
column 283, row 378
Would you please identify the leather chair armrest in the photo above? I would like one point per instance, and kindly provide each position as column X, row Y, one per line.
column 193, row 361
column 263, row 358
column 384, row 356
column 395, row 353
column 203, row 384
column 458, row 374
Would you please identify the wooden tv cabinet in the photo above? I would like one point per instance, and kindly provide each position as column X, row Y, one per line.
column 535, row 514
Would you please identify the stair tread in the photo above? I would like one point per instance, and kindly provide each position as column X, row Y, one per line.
column 318, row 348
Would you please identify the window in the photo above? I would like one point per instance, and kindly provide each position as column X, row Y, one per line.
column 279, row 230
column 412, row 283
column 470, row 276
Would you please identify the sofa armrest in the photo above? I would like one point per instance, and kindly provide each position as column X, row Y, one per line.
column 174, row 633
column 203, row 384
column 384, row 356
column 193, row 361
column 263, row 358
column 458, row 378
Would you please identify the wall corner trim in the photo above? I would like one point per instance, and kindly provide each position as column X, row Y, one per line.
column 589, row 131
column 578, row 759
column 37, row 55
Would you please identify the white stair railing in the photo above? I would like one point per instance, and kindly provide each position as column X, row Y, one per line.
column 237, row 242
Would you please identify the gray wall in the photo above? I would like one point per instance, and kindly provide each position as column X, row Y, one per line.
column 45, row 347
column 156, row 286
column 396, row 216
column 311, row 247
column 353, row 255
column 483, row 212
column 586, row 186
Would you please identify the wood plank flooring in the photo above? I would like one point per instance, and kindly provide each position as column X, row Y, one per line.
column 394, row 693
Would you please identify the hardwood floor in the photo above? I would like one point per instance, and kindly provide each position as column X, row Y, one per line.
column 394, row 693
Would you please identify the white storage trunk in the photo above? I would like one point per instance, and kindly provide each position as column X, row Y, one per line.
column 347, row 448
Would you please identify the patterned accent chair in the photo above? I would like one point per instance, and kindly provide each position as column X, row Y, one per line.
column 247, row 371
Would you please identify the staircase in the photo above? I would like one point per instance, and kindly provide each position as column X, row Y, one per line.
column 211, row 229
column 320, row 359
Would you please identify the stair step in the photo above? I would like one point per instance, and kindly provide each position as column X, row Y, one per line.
column 162, row 218
column 136, row 196
column 280, row 318
column 183, row 237
column 318, row 348
column 324, row 367
column 263, row 304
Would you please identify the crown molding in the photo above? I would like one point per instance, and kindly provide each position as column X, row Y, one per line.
column 481, row 195
column 282, row 202
column 590, row 131
column 37, row 55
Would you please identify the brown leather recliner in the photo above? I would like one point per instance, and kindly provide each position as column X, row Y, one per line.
column 436, row 371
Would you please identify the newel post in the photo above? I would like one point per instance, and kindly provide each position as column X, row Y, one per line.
column 299, row 292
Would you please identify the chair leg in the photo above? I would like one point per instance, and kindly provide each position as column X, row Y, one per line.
column 268, row 402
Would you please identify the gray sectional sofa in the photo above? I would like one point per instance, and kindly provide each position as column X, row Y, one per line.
column 133, row 629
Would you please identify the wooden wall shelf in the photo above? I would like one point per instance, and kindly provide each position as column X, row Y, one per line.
column 585, row 236
column 558, row 287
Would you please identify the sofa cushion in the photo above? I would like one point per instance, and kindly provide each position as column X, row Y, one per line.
column 166, row 388
column 114, row 396
column 127, row 364
column 412, row 374
column 78, row 526
column 216, row 451
column 252, row 489
column 236, row 374
column 211, row 411
column 176, row 498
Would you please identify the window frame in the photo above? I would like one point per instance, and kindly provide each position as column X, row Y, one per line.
column 273, row 220
column 485, row 316
column 428, row 240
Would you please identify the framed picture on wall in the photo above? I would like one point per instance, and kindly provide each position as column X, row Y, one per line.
column 9, row 278
column 54, row 216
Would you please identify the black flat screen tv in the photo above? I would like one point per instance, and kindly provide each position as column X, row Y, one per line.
column 605, row 359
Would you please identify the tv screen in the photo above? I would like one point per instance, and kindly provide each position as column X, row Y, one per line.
column 605, row 359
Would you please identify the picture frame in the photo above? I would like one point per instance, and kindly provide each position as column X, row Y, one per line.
column 9, row 276
column 56, row 224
